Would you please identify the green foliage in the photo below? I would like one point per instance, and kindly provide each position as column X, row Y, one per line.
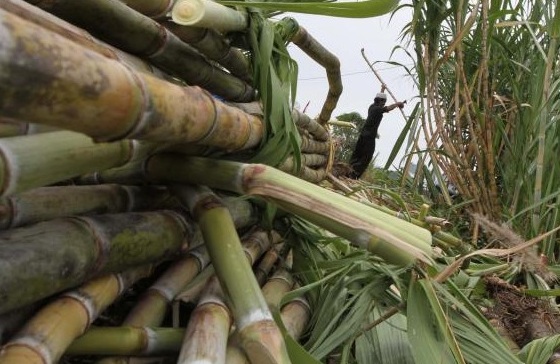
column 344, row 137
column 358, row 9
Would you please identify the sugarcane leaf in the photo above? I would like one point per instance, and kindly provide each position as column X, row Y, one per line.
column 386, row 343
column 400, row 140
column 360, row 9
column 539, row 351
column 424, row 331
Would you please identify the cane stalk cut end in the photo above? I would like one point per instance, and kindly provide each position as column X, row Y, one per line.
column 263, row 343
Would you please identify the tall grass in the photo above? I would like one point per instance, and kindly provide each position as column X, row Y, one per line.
column 488, row 82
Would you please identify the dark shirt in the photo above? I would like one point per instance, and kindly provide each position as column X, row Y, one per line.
column 375, row 114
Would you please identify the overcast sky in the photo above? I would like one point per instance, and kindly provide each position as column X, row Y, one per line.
column 345, row 38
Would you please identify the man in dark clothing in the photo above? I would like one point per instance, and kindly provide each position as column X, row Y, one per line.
column 365, row 146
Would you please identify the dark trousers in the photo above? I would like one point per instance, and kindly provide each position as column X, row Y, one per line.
column 362, row 154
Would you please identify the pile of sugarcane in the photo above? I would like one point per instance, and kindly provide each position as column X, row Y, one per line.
column 126, row 156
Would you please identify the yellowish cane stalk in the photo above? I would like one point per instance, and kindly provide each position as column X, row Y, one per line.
column 209, row 14
column 129, row 105
column 260, row 337
column 147, row 38
column 265, row 265
column 47, row 335
column 127, row 340
column 295, row 316
column 394, row 240
column 207, row 333
column 277, row 286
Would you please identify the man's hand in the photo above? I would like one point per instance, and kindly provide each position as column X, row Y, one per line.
column 400, row 104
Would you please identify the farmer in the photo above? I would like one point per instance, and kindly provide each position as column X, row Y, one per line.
column 365, row 146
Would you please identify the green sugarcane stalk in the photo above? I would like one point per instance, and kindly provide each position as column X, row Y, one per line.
column 46, row 336
column 128, row 340
column 303, row 121
column 48, row 203
column 32, row 161
column 120, row 103
column 49, row 257
column 10, row 128
column 311, row 146
column 259, row 335
column 207, row 333
column 121, row 26
column 155, row 9
column 213, row 45
column 396, row 241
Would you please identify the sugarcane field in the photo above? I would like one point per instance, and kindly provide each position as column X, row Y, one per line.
column 165, row 199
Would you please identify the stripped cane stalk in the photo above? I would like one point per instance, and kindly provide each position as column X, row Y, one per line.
column 9, row 128
column 209, row 14
column 121, row 26
column 48, row 203
column 32, row 161
column 47, row 335
column 321, row 55
column 155, row 9
column 265, row 265
column 52, row 23
column 295, row 316
column 214, row 46
column 120, row 103
column 276, row 287
column 80, row 248
column 394, row 240
column 207, row 333
column 127, row 340
column 260, row 337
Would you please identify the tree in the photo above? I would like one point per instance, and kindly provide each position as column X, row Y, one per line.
column 345, row 137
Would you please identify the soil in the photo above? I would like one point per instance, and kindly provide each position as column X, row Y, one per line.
column 524, row 318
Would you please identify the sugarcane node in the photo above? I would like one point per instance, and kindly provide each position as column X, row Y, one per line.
column 205, row 204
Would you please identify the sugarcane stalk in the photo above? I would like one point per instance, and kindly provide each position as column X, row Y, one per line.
column 213, row 45
column 120, row 103
column 48, row 203
column 303, row 121
column 295, row 316
column 394, row 240
column 155, row 9
column 329, row 61
column 311, row 146
column 209, row 14
column 32, row 161
column 259, row 335
column 277, row 286
column 46, row 336
column 265, row 265
column 135, row 33
column 128, row 340
column 207, row 333
column 78, row 35
column 9, row 128
column 192, row 291
column 48, row 257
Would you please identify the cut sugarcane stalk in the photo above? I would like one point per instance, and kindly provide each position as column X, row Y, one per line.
column 209, row 14
column 47, row 335
column 394, row 240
